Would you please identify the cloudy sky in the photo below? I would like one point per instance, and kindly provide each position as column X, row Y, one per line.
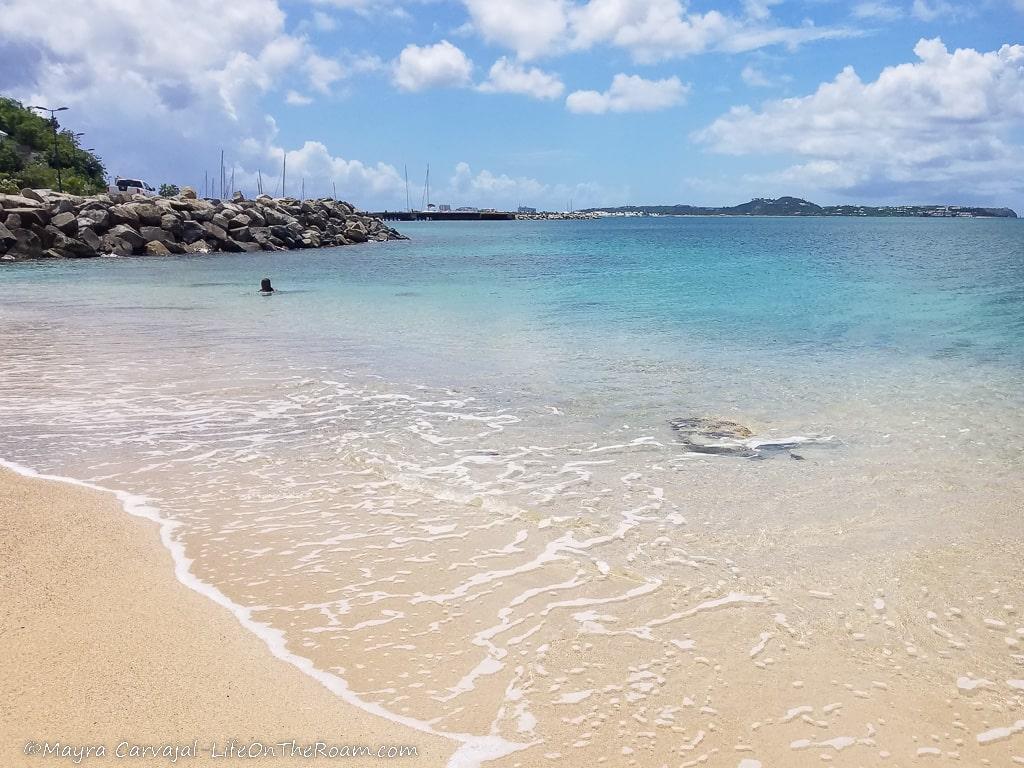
column 539, row 102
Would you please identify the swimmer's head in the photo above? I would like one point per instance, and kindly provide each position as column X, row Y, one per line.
column 265, row 286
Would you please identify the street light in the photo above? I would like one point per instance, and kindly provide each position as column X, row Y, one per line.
column 56, row 152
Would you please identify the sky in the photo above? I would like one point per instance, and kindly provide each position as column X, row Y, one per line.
column 545, row 103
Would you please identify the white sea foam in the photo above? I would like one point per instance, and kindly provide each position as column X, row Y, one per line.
column 472, row 750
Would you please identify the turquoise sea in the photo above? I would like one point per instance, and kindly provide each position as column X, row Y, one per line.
column 442, row 472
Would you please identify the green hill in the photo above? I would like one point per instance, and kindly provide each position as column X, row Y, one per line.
column 27, row 155
column 794, row 206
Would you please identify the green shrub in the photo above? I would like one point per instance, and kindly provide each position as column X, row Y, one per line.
column 27, row 154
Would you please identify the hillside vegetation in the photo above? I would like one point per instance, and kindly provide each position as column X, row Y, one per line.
column 27, row 156
column 794, row 206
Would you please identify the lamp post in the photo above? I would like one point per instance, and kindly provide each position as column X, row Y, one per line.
column 56, row 151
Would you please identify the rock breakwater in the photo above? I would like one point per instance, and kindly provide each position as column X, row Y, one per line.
column 46, row 224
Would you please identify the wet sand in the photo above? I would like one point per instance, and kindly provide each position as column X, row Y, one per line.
column 916, row 658
column 100, row 644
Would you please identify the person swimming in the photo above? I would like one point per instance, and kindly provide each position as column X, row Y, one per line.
column 265, row 287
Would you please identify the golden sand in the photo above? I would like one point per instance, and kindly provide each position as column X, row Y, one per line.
column 894, row 658
column 99, row 644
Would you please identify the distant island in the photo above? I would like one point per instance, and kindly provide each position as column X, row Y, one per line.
column 794, row 206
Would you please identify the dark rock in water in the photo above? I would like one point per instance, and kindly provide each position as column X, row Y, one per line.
column 27, row 244
column 78, row 249
column 719, row 437
column 716, row 437
column 113, row 244
column 90, row 238
column 711, row 428
column 128, row 235
column 156, row 248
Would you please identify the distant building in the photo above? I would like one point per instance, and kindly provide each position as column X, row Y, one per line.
column 526, row 209
column 444, row 208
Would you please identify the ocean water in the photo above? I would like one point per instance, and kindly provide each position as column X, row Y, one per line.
column 440, row 475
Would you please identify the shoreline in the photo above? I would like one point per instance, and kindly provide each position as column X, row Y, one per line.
column 91, row 657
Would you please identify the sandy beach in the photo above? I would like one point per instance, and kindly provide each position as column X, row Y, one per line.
column 101, row 645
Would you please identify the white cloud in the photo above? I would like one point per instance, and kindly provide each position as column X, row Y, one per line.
column 875, row 9
column 313, row 168
column 314, row 163
column 934, row 10
column 509, row 77
column 943, row 123
column 432, row 66
column 754, row 77
column 651, row 30
column 156, row 107
column 490, row 190
column 528, row 27
column 108, row 55
column 297, row 99
column 759, row 9
column 324, row 21
column 389, row 9
column 629, row 93
column 322, row 72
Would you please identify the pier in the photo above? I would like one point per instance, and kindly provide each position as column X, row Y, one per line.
column 443, row 215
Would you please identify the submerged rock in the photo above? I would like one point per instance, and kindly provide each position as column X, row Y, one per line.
column 719, row 437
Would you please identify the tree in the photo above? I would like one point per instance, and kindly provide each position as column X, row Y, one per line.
column 27, row 157
column 169, row 190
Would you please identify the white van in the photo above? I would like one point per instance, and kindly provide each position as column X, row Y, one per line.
column 131, row 187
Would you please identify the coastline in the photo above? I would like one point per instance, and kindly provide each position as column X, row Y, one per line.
column 101, row 645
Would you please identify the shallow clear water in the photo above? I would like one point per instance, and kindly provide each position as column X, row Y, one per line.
column 444, row 468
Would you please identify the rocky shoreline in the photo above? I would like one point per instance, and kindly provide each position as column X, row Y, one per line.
column 41, row 223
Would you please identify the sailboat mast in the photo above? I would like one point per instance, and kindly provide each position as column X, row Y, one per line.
column 408, row 205
column 284, row 172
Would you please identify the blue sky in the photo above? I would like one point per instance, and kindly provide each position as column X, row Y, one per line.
column 539, row 102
